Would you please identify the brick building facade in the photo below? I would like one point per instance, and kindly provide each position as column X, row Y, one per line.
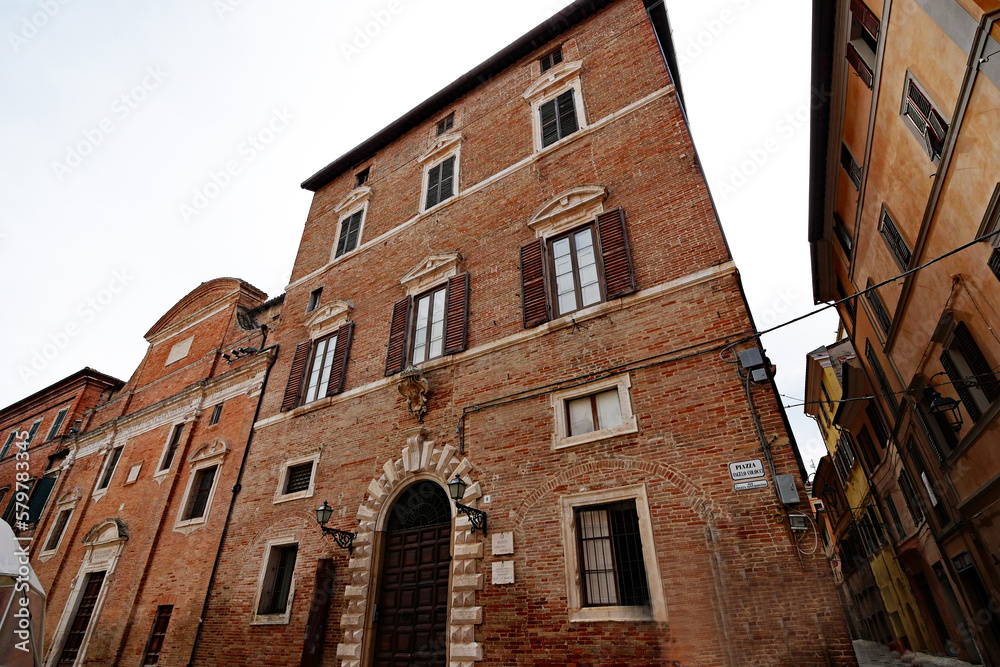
column 518, row 292
column 431, row 329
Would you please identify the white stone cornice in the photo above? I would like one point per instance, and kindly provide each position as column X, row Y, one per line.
column 355, row 198
column 327, row 318
column 571, row 208
column 434, row 269
column 445, row 144
column 552, row 79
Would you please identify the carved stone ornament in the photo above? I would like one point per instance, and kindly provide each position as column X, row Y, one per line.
column 328, row 317
column 414, row 387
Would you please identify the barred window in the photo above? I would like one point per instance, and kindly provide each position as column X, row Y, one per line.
column 612, row 568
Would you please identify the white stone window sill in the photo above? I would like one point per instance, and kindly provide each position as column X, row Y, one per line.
column 436, row 206
column 599, row 614
column 298, row 495
column 189, row 525
column 270, row 619
column 97, row 495
column 46, row 555
column 631, row 425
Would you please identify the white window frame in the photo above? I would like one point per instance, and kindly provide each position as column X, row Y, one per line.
column 578, row 613
column 57, row 423
column 99, row 492
column 66, row 506
column 551, row 84
column 213, row 462
column 160, row 471
column 356, row 200
column 561, row 438
column 280, row 496
column 275, row 619
column 445, row 146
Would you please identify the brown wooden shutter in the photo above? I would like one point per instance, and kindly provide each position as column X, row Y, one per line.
column 456, row 327
column 618, row 277
column 395, row 358
column 294, row 387
column 534, row 296
column 958, row 381
column 866, row 17
column 980, row 368
column 338, row 371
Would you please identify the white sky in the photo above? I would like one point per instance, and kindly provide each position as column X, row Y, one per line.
column 115, row 114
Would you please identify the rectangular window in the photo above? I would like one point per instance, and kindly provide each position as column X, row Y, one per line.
column 896, row 523
column 897, row 246
column 594, row 413
column 32, row 431
column 201, row 489
column 278, row 579
column 362, row 177
column 298, row 477
column 350, row 233
column 994, row 262
column 54, row 431
column 58, row 528
column 863, row 42
column 613, row 572
column 319, row 370
column 81, row 619
column 314, row 299
column 216, row 414
column 925, row 118
column 851, row 166
column 842, row 296
column 875, row 418
column 843, row 234
column 157, row 634
column 574, row 265
column 40, row 496
column 446, row 123
column 109, row 468
column 172, row 445
column 918, row 463
column 558, row 118
column 440, row 182
column 428, row 327
column 883, row 381
column 10, row 441
column 970, row 373
column 881, row 314
column 826, row 395
column 552, row 59
column 910, row 496
column 868, row 451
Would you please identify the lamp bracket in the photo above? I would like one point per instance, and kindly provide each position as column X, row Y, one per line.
column 476, row 517
column 344, row 539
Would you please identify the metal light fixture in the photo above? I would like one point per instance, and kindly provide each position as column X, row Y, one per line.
column 943, row 405
column 456, row 489
column 344, row 539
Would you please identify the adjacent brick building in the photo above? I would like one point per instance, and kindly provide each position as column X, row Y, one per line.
column 521, row 283
column 127, row 547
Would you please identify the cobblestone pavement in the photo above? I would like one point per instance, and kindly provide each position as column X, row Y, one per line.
column 873, row 654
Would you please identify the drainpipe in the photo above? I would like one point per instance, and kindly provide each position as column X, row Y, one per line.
column 236, row 489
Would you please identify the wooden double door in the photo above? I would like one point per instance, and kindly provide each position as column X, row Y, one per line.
column 411, row 625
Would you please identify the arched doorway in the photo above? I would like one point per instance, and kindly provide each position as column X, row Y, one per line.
column 411, row 624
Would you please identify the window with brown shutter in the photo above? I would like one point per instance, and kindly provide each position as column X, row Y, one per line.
column 440, row 182
column 395, row 358
column 577, row 269
column 294, row 386
column 437, row 326
column 456, row 336
column 925, row 118
column 341, row 355
column 970, row 373
column 863, row 44
column 558, row 118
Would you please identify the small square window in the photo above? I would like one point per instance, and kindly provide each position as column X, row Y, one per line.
column 216, row 414
column 276, row 586
column 552, row 59
column 200, row 493
column 297, row 479
column 362, row 177
column 446, row 123
column 592, row 412
column 314, row 299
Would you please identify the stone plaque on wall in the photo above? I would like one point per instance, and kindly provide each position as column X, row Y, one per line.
column 503, row 572
column 503, row 544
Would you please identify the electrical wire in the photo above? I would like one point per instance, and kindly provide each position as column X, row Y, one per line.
column 815, row 532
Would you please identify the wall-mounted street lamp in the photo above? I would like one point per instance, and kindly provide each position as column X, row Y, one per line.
column 943, row 405
column 344, row 539
column 456, row 489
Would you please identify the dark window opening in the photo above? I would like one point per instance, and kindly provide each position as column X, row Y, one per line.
column 314, row 299
column 57, row 530
column 851, row 166
column 278, row 579
column 109, row 469
column 175, row 441
column 156, row 636
column 362, row 177
column 440, row 182
column 216, row 414
column 612, row 569
column 446, row 123
column 558, row 118
column 350, row 233
column 552, row 59
column 298, row 477
column 201, row 489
